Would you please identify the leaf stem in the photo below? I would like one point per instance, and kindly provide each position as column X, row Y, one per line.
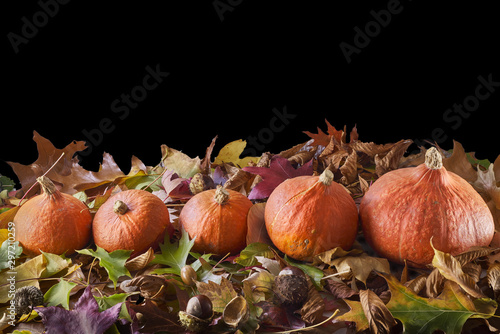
column 36, row 182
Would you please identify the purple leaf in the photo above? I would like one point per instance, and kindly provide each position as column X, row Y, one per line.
column 85, row 318
column 279, row 170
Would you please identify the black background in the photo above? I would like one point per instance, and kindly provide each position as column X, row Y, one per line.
column 226, row 76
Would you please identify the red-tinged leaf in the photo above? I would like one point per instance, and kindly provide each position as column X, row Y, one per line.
column 279, row 170
column 85, row 318
column 176, row 187
column 323, row 139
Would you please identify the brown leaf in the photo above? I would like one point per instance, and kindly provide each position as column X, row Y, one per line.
column 141, row 261
column 205, row 162
column 418, row 283
column 313, row 308
column 47, row 155
column 155, row 319
column 458, row 163
column 474, row 253
column 152, row 287
column 339, row 289
column 434, row 284
column 349, row 169
column 256, row 229
column 451, row 269
column 493, row 275
column 379, row 317
column 391, row 160
column 220, row 294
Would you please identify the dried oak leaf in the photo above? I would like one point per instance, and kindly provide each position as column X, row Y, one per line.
column 85, row 318
column 279, row 170
column 47, row 155
column 323, row 139
column 448, row 312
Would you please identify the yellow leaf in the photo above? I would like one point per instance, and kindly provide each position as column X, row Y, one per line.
column 231, row 153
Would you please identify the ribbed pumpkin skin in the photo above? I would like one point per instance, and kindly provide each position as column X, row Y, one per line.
column 305, row 217
column 219, row 228
column 142, row 226
column 54, row 223
column 404, row 208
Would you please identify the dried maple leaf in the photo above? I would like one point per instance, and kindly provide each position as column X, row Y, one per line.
column 279, row 170
column 85, row 318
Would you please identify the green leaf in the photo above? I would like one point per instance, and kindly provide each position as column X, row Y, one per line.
column 247, row 256
column 313, row 272
column 175, row 255
column 58, row 294
column 55, row 263
column 6, row 183
column 113, row 262
column 9, row 254
column 448, row 312
column 108, row 302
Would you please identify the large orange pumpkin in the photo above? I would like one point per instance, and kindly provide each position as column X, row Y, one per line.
column 217, row 218
column 407, row 207
column 308, row 215
column 131, row 220
column 52, row 222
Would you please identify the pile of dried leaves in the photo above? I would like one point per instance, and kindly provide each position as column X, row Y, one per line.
column 349, row 291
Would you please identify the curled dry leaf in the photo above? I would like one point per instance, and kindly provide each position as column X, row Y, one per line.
column 451, row 269
column 140, row 262
column 493, row 275
column 379, row 317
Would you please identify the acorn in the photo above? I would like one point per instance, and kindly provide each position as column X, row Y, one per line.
column 27, row 298
column 198, row 314
column 291, row 286
column 201, row 182
column 188, row 275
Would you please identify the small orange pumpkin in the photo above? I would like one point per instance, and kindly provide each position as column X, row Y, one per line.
column 405, row 208
column 131, row 220
column 52, row 222
column 308, row 215
column 218, row 220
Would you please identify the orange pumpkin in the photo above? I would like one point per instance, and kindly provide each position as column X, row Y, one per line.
column 131, row 220
column 308, row 215
column 407, row 207
column 52, row 222
column 217, row 218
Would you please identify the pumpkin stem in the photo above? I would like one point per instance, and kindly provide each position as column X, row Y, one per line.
column 433, row 159
column 326, row 177
column 47, row 185
column 221, row 195
column 120, row 207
